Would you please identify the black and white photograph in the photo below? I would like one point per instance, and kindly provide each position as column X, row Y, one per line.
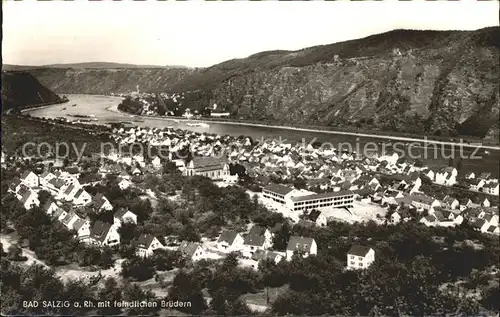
column 250, row 158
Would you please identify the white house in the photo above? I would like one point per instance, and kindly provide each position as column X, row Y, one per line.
column 192, row 251
column 82, row 228
column 82, row 197
column 230, row 241
column 70, row 191
column 29, row 179
column 360, row 257
column 424, row 202
column 30, row 199
column 476, row 184
column 317, row 217
column 491, row 188
column 124, row 215
column 301, row 245
column 447, row 176
column 429, row 220
column 103, row 233
column 267, row 255
column 156, row 162
column 146, row 244
column 46, row 177
column 49, row 207
column 252, row 243
column 451, row 202
column 261, row 231
column 124, row 183
column 430, row 174
column 398, row 216
column 100, row 202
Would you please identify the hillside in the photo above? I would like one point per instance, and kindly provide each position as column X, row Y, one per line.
column 427, row 82
column 22, row 90
column 86, row 65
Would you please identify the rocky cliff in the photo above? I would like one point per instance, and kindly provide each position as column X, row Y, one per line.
column 20, row 90
column 426, row 82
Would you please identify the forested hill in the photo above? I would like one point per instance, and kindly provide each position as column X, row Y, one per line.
column 21, row 90
column 425, row 82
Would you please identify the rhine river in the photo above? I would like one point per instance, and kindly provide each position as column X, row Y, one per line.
column 104, row 109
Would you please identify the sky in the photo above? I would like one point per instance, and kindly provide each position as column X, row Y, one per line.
column 199, row 34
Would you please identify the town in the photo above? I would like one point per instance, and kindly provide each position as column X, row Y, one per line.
column 307, row 186
column 197, row 198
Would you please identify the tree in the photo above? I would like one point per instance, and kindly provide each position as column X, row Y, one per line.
column 299, row 184
column 281, row 238
column 140, row 269
column 185, row 288
column 15, row 252
column 112, row 292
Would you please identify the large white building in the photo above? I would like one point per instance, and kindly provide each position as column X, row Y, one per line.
column 360, row 257
column 295, row 200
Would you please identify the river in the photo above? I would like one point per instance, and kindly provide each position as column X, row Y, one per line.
column 104, row 108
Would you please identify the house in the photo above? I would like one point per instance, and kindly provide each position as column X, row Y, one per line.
column 398, row 216
column 146, row 244
column 82, row 197
column 447, row 176
column 230, row 241
column 261, row 231
column 59, row 214
column 476, row 184
column 493, row 230
column 451, row 202
column 136, row 171
column 491, row 188
column 302, row 245
column 124, row 183
column 252, row 243
column 100, row 202
column 192, row 251
column 316, row 217
column 69, row 192
column 103, row 233
column 480, row 224
column 486, row 202
column 470, row 175
column 211, row 167
column 29, row 179
column 124, row 175
column 69, row 220
column 124, row 215
column 360, row 257
column 424, row 202
column 46, row 177
column 29, row 199
column 15, row 186
column 156, row 162
column 429, row 220
column 82, row 228
column 73, row 171
column 267, row 255
column 431, row 175
column 49, row 207
column 56, row 186
column 464, row 203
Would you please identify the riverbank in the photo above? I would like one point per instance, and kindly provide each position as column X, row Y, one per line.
column 42, row 106
column 316, row 130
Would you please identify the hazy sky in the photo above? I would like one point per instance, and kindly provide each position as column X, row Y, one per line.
column 198, row 33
